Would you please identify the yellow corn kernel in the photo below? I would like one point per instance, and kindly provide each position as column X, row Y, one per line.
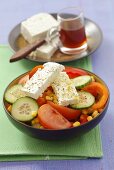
column 54, row 97
column 95, row 114
column 9, row 108
column 76, row 124
column 55, row 101
column 84, row 111
column 34, row 121
column 93, row 79
column 49, row 98
column 51, row 95
column 89, row 118
column 34, row 114
column 41, row 127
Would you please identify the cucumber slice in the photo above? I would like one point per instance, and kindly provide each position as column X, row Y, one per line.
column 81, row 81
column 13, row 93
column 86, row 100
column 24, row 109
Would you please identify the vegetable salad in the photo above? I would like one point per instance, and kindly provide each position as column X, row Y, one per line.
column 46, row 112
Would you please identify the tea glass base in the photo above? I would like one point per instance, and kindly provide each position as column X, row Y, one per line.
column 71, row 51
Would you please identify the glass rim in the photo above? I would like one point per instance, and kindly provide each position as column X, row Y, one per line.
column 71, row 7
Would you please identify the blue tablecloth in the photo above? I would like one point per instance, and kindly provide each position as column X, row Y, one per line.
column 14, row 11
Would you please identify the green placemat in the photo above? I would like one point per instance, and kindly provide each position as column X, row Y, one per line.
column 14, row 145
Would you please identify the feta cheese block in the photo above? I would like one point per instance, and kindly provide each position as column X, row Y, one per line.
column 45, row 52
column 37, row 26
column 42, row 79
column 65, row 90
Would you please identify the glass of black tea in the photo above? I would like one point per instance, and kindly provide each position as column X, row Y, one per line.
column 70, row 30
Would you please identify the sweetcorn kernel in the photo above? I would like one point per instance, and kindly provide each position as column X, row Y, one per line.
column 92, row 78
column 89, row 118
column 54, row 97
column 84, row 111
column 49, row 98
column 34, row 114
column 77, row 123
column 95, row 114
column 41, row 127
column 34, row 121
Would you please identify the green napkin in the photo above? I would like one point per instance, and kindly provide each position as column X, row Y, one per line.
column 14, row 145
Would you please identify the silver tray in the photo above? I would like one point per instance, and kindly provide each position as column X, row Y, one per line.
column 94, row 39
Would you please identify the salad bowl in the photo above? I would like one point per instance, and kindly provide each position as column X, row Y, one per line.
column 77, row 127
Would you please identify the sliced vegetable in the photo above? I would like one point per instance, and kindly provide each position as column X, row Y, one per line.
column 81, row 81
column 86, row 100
column 9, row 108
column 74, row 72
column 83, row 118
column 13, row 93
column 100, row 92
column 41, row 101
column 24, row 109
column 33, row 71
column 24, row 79
column 68, row 113
column 50, row 118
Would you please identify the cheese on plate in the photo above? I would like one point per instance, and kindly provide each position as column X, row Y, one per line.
column 45, row 52
column 37, row 26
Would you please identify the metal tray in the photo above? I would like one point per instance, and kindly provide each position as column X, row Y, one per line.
column 94, row 39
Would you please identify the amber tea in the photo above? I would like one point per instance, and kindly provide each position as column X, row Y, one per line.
column 70, row 31
column 73, row 38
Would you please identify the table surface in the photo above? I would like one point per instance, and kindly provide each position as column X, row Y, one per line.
column 14, row 11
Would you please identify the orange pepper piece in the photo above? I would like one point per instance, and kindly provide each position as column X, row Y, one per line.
column 9, row 108
column 33, row 71
column 97, row 88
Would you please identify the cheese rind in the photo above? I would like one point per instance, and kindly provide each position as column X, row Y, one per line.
column 64, row 90
column 36, row 27
column 42, row 79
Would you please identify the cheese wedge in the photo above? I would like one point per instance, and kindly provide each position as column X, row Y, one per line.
column 65, row 90
column 42, row 79
column 45, row 52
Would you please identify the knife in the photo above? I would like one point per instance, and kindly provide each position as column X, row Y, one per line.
column 22, row 53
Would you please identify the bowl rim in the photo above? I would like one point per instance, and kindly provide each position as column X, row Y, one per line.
column 66, row 129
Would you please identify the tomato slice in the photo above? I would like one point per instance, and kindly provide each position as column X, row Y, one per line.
column 74, row 72
column 68, row 113
column 50, row 118
column 33, row 71
column 24, row 79
column 99, row 89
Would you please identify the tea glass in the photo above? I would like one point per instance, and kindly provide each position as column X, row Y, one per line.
column 70, row 30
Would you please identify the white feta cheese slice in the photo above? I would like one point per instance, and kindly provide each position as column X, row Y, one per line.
column 37, row 26
column 45, row 52
column 42, row 79
column 65, row 90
